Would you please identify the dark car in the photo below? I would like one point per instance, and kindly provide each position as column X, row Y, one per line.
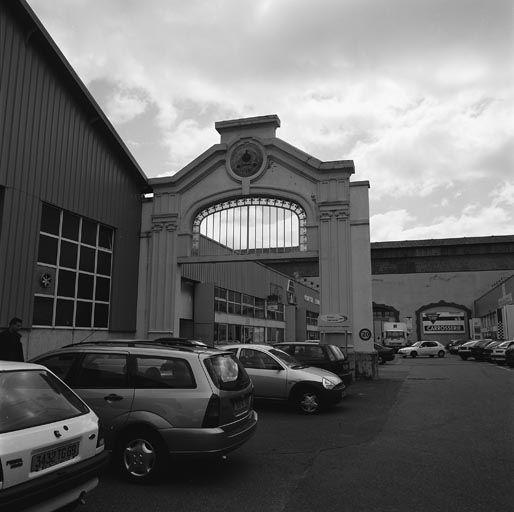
column 509, row 357
column 313, row 353
column 477, row 350
column 488, row 351
column 453, row 346
column 384, row 353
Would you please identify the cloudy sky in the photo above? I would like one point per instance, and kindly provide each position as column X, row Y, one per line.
column 419, row 93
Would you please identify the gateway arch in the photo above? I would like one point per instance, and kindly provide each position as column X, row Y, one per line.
column 254, row 197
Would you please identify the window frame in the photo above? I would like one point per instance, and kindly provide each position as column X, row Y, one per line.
column 77, row 271
column 129, row 384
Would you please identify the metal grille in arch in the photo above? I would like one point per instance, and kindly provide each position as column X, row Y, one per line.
column 250, row 225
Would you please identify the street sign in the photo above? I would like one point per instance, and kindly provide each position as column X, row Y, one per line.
column 331, row 319
column 365, row 334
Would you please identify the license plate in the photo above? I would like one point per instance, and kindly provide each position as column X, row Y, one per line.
column 54, row 456
column 241, row 405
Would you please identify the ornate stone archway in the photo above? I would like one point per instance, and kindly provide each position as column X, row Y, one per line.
column 250, row 161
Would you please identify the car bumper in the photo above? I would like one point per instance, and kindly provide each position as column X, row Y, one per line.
column 210, row 441
column 498, row 357
column 47, row 492
column 332, row 396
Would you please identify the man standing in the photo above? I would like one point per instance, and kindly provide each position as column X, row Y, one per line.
column 10, row 344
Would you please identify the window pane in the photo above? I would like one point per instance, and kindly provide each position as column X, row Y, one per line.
column 102, row 371
column 47, row 250
column 103, row 263
column 88, row 232
column 50, row 218
column 43, row 310
column 70, row 226
column 161, row 372
column 105, row 237
column 64, row 313
column 255, row 359
column 68, row 256
column 101, row 315
column 222, row 332
column 83, row 314
column 87, row 259
column 102, row 288
column 85, row 287
column 66, row 287
column 60, row 364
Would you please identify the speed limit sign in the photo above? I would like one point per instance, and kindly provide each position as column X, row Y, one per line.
column 365, row 334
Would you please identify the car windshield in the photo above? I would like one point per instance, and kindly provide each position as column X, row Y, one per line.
column 417, row 344
column 505, row 344
column 284, row 357
column 337, row 352
column 395, row 334
column 29, row 398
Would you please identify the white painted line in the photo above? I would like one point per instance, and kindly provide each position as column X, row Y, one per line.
column 506, row 369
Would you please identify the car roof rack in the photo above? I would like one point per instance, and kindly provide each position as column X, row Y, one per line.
column 136, row 343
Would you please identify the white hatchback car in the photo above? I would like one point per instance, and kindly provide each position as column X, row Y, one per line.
column 51, row 450
column 424, row 348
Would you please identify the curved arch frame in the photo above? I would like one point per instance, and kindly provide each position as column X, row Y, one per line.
column 441, row 303
column 253, row 200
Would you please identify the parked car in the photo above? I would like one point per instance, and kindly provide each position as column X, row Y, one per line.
column 498, row 355
column 488, row 351
column 384, row 353
column 423, row 348
column 277, row 375
column 465, row 349
column 51, row 450
column 453, row 346
column 312, row 353
column 155, row 400
column 509, row 356
column 477, row 350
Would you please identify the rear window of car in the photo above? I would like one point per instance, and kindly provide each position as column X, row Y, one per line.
column 29, row 398
column 226, row 372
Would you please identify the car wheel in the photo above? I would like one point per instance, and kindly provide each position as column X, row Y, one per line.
column 308, row 401
column 440, row 353
column 141, row 455
column 414, row 354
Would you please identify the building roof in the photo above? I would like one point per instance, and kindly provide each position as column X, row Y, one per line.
column 48, row 45
column 438, row 242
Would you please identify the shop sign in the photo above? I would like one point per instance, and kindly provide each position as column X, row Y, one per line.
column 439, row 322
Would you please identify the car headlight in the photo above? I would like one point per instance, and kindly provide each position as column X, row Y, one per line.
column 328, row 383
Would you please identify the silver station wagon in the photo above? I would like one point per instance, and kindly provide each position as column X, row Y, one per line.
column 279, row 376
column 154, row 400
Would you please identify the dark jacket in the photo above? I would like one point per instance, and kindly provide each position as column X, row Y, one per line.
column 10, row 346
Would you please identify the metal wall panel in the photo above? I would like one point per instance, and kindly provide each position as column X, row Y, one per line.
column 53, row 148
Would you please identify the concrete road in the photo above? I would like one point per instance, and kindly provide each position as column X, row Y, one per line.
column 428, row 435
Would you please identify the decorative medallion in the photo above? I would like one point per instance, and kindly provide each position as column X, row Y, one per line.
column 45, row 280
column 246, row 159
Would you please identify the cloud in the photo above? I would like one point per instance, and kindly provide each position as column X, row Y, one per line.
column 418, row 94
column 124, row 106
column 494, row 218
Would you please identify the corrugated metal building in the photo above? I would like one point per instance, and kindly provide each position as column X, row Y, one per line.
column 70, row 196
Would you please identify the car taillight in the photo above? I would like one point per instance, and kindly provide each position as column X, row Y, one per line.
column 100, row 439
column 212, row 414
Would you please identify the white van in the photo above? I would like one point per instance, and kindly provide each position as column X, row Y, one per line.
column 51, row 450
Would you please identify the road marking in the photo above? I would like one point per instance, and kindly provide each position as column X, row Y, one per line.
column 502, row 368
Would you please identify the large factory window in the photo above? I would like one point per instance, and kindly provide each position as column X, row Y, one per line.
column 74, row 263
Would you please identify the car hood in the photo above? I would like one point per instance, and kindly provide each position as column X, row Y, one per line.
column 313, row 373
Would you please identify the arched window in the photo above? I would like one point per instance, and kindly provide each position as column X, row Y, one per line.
column 250, row 225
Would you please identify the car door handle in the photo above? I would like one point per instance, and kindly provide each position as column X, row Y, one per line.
column 113, row 398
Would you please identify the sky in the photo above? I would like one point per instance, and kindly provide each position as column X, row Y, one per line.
column 418, row 93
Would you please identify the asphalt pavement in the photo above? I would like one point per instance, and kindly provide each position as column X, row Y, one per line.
column 427, row 435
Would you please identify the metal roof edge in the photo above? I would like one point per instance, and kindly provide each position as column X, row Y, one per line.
column 54, row 49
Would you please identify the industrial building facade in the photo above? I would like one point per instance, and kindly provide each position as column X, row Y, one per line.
column 83, row 255
column 70, row 197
